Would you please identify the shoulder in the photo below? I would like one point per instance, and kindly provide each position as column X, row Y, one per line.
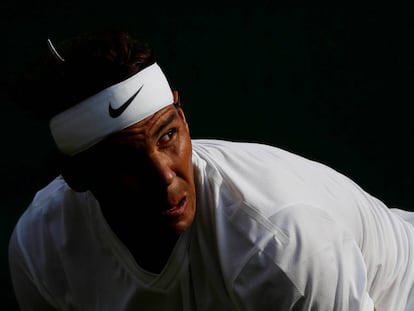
column 242, row 158
column 51, row 201
column 262, row 175
column 216, row 147
column 42, row 239
column 316, row 258
column 48, row 216
column 271, row 176
column 247, row 154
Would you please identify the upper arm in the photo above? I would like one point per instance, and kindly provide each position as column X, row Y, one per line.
column 320, row 267
column 27, row 293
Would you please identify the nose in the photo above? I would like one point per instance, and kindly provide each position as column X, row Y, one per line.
column 162, row 166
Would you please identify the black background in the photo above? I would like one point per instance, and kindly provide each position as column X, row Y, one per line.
column 333, row 85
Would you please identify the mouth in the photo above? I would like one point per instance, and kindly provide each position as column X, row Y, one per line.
column 177, row 209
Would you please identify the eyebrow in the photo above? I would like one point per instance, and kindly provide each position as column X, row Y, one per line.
column 165, row 123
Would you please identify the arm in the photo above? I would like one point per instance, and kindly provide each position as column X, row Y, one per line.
column 320, row 267
column 27, row 294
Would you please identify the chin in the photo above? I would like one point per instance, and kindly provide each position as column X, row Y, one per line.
column 183, row 224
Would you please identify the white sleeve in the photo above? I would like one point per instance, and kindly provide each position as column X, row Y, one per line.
column 320, row 267
column 25, row 289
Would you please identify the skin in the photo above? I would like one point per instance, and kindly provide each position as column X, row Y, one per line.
column 143, row 179
column 163, row 146
column 153, row 190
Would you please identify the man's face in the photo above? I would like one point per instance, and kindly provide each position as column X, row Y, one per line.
column 148, row 167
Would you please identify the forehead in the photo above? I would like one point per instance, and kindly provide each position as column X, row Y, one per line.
column 148, row 127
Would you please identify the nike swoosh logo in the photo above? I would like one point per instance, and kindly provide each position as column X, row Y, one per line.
column 115, row 113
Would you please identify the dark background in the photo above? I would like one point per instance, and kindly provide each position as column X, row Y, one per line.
column 334, row 85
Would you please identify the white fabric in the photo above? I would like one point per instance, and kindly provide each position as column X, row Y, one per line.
column 72, row 130
column 272, row 231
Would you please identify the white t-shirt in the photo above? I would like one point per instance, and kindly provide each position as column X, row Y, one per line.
column 272, row 231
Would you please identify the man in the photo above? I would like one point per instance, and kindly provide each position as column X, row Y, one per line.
column 143, row 217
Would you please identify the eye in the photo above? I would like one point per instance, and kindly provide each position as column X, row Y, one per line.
column 167, row 136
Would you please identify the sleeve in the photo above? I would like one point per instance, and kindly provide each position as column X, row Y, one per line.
column 27, row 293
column 319, row 267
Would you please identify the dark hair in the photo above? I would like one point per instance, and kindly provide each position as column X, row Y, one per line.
column 92, row 62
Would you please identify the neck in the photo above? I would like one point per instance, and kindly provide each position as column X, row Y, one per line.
column 149, row 239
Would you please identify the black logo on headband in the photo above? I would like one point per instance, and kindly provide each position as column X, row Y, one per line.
column 115, row 113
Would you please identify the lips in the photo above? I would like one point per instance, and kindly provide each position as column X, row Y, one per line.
column 177, row 209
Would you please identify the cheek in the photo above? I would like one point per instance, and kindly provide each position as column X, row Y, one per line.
column 185, row 156
column 130, row 182
column 119, row 185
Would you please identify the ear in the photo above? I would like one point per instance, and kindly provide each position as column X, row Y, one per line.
column 176, row 96
column 182, row 116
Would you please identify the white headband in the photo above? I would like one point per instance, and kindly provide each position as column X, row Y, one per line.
column 111, row 110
